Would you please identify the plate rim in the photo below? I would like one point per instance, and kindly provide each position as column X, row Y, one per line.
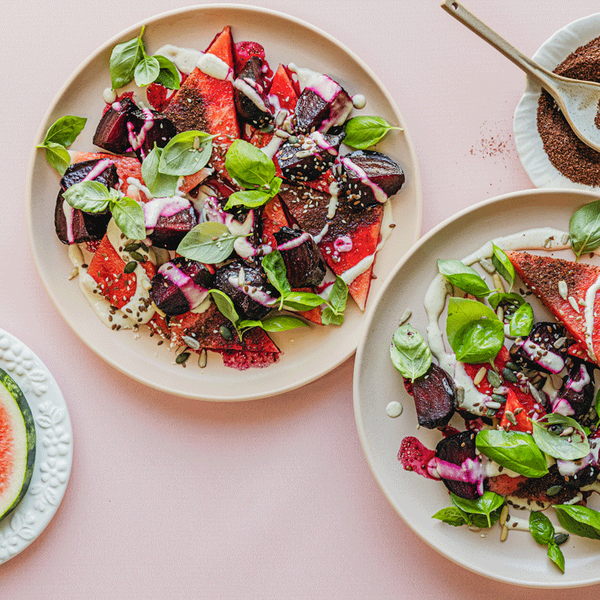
column 360, row 426
column 412, row 157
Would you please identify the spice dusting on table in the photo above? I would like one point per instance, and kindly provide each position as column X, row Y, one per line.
column 567, row 153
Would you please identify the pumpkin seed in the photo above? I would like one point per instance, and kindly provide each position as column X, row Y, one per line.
column 513, row 366
column 554, row 490
column 130, row 267
column 510, row 416
column 498, row 398
column 561, row 538
column 137, row 256
column 225, row 332
column 181, row 358
column 132, row 247
column 509, row 375
column 494, row 378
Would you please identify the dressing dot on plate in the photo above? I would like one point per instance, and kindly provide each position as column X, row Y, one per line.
column 394, row 409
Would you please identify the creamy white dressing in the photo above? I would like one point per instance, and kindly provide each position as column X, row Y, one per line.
column 213, row 66
column 590, row 298
column 185, row 59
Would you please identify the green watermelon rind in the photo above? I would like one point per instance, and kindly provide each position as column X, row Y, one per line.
column 7, row 505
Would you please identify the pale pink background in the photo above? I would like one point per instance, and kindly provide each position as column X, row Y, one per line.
column 173, row 498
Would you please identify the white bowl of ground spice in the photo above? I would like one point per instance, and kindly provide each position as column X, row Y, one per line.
column 550, row 152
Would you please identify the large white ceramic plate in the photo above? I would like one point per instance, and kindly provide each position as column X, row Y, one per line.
column 519, row 559
column 54, row 447
column 529, row 144
column 307, row 354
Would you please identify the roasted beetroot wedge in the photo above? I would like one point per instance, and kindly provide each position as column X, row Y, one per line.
column 323, row 104
column 180, row 285
column 367, row 177
column 544, row 350
column 307, row 157
column 456, row 449
column 303, row 259
column 577, row 392
column 170, row 230
column 73, row 225
column 250, row 94
column 111, row 133
column 248, row 288
column 435, row 397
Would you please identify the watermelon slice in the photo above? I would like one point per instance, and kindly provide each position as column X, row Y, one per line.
column 17, row 444
column 205, row 103
column 544, row 276
column 350, row 239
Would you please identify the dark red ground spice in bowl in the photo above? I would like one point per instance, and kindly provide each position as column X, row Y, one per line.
column 567, row 153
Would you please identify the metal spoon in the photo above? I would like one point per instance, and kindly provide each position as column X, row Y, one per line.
column 578, row 100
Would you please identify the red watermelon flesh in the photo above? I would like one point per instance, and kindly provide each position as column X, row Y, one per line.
column 542, row 274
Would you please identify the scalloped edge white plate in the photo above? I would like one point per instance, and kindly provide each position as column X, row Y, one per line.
column 518, row 560
column 307, row 355
column 54, row 447
column 529, row 144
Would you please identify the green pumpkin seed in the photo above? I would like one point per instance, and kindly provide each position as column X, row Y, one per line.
column 181, row 358
column 561, row 538
column 137, row 256
column 510, row 376
column 498, row 398
column 130, row 267
column 494, row 379
column 553, row 490
column 132, row 247
column 512, row 366
column 225, row 332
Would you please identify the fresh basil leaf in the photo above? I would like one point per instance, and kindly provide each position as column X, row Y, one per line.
column 541, row 528
column 129, row 217
column 225, row 305
column 64, row 131
column 463, row 277
column 248, row 198
column 338, row 295
column 513, row 450
column 249, row 166
column 485, row 505
column 597, row 404
column 168, row 75
column 57, row 156
column 274, row 324
column 186, row 153
column 274, row 267
column 556, row 555
column 146, row 71
column 451, row 515
column 208, row 242
column 503, row 265
column 366, row 131
column 522, row 321
column 409, row 352
column 512, row 298
column 330, row 317
column 569, row 447
column 124, row 59
column 584, row 229
column 579, row 520
column 302, row 300
column 90, row 196
column 159, row 184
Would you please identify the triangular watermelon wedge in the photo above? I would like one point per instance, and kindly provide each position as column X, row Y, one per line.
column 567, row 301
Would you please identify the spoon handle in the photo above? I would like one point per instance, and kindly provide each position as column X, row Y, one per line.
column 467, row 18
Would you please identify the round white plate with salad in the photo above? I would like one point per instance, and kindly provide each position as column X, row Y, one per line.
column 386, row 414
column 307, row 353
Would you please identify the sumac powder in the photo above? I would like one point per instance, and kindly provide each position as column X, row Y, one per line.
column 566, row 151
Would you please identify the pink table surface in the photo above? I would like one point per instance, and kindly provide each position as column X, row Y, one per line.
column 174, row 498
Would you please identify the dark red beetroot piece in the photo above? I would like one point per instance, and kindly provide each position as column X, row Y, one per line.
column 303, row 259
column 576, row 392
column 248, row 110
column 169, row 231
column 248, row 288
column 545, row 338
column 307, row 157
column 86, row 227
column 175, row 294
column 456, row 449
column 435, row 397
column 322, row 105
column 380, row 171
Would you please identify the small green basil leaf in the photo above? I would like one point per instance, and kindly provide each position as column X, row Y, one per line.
column 168, row 75
column 597, row 405
column 584, row 229
column 330, row 317
column 338, row 296
column 57, row 156
column 497, row 298
column 146, row 71
column 541, row 528
column 579, row 520
column 410, row 353
column 302, row 300
column 225, row 305
column 503, row 265
column 249, row 166
column 463, row 277
column 485, row 505
column 274, row 324
column 451, row 515
column 366, row 131
column 186, row 153
column 274, row 267
column 248, row 198
column 129, row 217
column 208, row 242
column 556, row 555
column 159, row 184
column 522, row 321
column 513, row 450
column 64, row 131
column 124, row 59
column 568, row 447
column 89, row 196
